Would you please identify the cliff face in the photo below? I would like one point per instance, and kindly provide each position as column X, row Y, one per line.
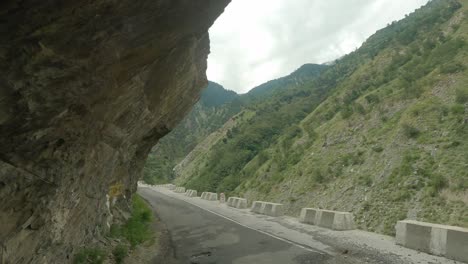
column 86, row 89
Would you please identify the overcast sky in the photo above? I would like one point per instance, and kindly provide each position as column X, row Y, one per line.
column 254, row 41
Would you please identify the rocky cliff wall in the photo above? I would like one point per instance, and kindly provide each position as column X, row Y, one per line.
column 86, row 89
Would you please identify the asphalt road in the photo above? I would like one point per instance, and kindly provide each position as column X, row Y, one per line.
column 199, row 236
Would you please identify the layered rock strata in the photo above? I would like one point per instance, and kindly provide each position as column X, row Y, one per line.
column 86, row 89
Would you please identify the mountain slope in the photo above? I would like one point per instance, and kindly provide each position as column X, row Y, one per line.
column 215, row 107
column 382, row 133
column 297, row 78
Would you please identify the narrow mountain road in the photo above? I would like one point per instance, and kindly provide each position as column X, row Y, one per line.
column 202, row 237
column 204, row 232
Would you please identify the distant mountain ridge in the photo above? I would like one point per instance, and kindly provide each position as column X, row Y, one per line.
column 298, row 77
column 216, row 95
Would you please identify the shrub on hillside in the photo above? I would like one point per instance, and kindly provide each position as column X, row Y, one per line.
column 346, row 112
column 461, row 96
column 317, row 176
column 377, row 149
column 120, row 252
column 410, row 131
column 372, row 98
column 452, row 68
column 457, row 109
column 436, row 183
column 89, row 256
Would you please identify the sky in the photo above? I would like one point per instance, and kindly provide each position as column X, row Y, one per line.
column 255, row 41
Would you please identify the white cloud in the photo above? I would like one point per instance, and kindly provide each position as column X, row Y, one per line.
column 258, row 40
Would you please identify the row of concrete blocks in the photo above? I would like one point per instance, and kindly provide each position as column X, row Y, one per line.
column 191, row 193
column 329, row 219
column 324, row 218
column 209, row 196
column 168, row 186
column 237, row 202
column 179, row 189
column 442, row 240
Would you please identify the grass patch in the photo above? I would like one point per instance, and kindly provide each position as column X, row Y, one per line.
column 377, row 149
column 120, row 252
column 137, row 230
column 89, row 256
column 410, row 131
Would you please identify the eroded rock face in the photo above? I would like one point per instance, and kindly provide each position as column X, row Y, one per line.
column 86, row 89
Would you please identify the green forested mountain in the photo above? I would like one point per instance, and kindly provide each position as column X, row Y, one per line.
column 214, row 95
column 298, row 78
column 215, row 107
column 382, row 133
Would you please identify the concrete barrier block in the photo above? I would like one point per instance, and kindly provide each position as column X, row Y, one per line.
column 209, row 196
column 344, row 221
column 179, row 190
column 257, row 207
column 237, row 202
column 266, row 208
column 171, row 186
column 448, row 241
column 213, row 197
column 334, row 220
column 273, row 209
column 191, row 193
column 230, row 201
column 308, row 216
column 241, row 203
column 457, row 244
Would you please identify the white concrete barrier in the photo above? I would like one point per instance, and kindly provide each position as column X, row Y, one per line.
column 335, row 220
column 209, row 196
column 443, row 240
column 230, row 201
column 273, row 209
column 308, row 216
column 237, row 202
column 191, row 193
column 179, row 189
column 329, row 219
column 257, row 207
column 168, row 186
column 266, row 208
